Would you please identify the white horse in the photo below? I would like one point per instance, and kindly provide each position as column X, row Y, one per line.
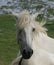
column 36, row 47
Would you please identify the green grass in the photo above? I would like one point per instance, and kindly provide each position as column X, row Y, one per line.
column 50, row 28
column 8, row 45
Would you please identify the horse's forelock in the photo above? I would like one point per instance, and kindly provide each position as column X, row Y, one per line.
column 24, row 19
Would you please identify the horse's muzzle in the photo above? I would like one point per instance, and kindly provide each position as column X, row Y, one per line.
column 27, row 53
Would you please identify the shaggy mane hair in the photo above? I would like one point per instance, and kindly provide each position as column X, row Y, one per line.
column 25, row 19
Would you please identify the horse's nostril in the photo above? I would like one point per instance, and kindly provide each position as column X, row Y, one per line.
column 27, row 53
column 24, row 51
column 31, row 51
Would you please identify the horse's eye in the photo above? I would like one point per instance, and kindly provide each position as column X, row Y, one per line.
column 33, row 29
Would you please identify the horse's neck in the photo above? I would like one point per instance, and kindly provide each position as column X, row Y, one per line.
column 45, row 42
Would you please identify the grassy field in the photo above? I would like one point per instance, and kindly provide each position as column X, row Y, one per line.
column 8, row 45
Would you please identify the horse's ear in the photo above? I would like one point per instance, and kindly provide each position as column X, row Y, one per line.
column 35, row 15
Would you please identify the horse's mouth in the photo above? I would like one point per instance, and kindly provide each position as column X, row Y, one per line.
column 27, row 57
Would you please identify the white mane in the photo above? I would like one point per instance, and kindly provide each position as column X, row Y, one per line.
column 25, row 19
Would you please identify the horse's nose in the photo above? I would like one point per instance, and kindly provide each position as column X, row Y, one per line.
column 27, row 53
